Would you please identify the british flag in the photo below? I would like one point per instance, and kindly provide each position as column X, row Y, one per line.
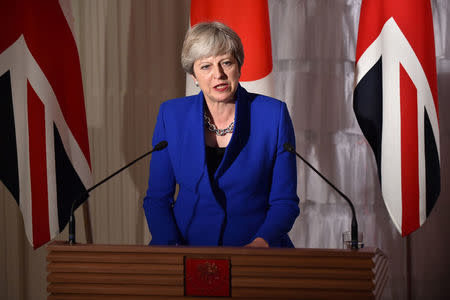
column 44, row 153
column 396, row 105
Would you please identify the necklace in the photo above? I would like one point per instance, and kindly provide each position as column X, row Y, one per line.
column 213, row 128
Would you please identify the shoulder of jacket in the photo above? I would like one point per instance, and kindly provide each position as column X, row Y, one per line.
column 259, row 99
column 266, row 102
column 182, row 101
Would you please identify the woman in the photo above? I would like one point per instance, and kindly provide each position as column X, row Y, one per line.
column 237, row 185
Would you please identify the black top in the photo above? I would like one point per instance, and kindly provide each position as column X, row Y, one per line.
column 214, row 156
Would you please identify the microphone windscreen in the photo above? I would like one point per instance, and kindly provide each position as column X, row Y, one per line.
column 161, row 145
column 288, row 147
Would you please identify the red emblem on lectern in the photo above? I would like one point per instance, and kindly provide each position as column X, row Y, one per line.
column 207, row 277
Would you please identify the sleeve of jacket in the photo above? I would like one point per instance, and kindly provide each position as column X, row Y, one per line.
column 283, row 200
column 159, row 199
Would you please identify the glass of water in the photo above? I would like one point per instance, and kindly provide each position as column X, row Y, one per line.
column 347, row 240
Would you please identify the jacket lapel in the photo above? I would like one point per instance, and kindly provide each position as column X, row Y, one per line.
column 241, row 131
column 192, row 157
column 193, row 153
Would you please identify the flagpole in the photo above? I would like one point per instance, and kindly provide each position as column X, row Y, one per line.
column 408, row 269
column 87, row 222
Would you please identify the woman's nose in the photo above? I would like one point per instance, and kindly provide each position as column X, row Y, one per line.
column 218, row 71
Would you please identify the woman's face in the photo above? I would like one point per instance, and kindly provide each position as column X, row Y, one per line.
column 218, row 77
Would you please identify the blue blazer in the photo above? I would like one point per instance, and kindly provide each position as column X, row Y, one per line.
column 253, row 192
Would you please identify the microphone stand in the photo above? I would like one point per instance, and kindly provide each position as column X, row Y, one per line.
column 85, row 195
column 354, row 229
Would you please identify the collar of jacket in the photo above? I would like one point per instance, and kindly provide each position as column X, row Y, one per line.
column 194, row 160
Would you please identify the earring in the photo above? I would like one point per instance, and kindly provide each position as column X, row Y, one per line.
column 196, row 83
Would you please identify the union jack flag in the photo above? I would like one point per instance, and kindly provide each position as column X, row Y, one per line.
column 396, row 105
column 44, row 153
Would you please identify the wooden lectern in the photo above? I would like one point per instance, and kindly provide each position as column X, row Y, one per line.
column 141, row 272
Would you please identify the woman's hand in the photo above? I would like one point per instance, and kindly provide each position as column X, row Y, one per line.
column 258, row 243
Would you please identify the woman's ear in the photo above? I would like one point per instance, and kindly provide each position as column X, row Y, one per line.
column 195, row 80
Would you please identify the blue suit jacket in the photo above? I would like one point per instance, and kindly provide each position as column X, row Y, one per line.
column 253, row 193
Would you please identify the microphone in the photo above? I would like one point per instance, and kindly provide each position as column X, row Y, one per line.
column 354, row 232
column 158, row 147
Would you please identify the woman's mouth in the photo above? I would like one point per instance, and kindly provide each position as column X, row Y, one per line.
column 221, row 87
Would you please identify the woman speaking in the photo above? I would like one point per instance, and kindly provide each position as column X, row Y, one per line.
column 237, row 184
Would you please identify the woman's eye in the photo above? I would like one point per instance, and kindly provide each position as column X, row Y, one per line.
column 205, row 67
column 227, row 63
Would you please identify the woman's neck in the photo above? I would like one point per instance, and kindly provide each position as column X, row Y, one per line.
column 222, row 113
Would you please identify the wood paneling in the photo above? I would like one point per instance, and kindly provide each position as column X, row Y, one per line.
column 142, row 272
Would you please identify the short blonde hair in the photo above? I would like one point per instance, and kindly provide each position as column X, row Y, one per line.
column 210, row 39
